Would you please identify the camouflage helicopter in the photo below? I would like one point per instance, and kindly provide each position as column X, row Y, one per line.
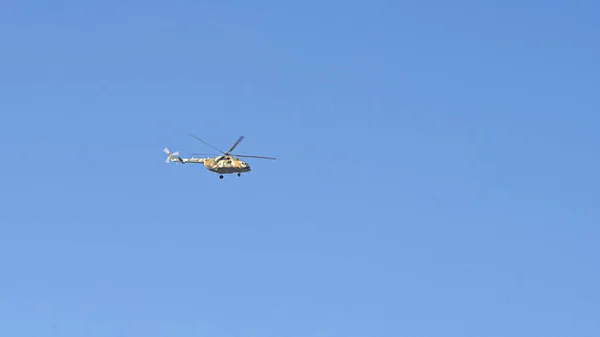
column 225, row 163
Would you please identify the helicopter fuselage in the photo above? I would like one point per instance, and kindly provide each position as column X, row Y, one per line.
column 226, row 165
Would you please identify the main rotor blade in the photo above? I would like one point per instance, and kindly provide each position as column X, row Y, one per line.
column 204, row 154
column 236, row 144
column 205, row 142
column 246, row 156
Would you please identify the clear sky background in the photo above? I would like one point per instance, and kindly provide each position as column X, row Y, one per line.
column 436, row 174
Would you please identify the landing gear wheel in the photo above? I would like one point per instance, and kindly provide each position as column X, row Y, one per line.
column 221, row 177
column 239, row 174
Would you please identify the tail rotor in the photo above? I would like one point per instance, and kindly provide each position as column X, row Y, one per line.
column 170, row 156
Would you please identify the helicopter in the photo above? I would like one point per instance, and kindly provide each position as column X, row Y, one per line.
column 225, row 163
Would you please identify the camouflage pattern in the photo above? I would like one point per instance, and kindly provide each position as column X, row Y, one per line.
column 220, row 164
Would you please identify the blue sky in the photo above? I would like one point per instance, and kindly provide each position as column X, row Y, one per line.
column 436, row 173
